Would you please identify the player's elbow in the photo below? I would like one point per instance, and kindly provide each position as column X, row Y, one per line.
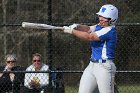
column 93, row 37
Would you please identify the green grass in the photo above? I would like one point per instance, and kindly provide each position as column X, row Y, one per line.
column 69, row 89
column 129, row 88
column 121, row 88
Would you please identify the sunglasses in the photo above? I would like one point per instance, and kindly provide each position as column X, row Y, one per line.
column 36, row 60
column 10, row 61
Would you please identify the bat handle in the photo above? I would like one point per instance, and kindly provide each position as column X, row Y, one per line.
column 61, row 28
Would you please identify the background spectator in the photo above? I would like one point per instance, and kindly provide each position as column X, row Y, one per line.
column 10, row 81
column 35, row 82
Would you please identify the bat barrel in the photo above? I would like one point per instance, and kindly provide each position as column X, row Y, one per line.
column 39, row 26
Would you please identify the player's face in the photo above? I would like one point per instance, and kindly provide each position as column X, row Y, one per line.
column 37, row 62
column 103, row 21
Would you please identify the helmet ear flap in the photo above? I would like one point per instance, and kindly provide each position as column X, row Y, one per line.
column 109, row 21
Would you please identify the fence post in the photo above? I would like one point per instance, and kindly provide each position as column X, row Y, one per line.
column 50, row 42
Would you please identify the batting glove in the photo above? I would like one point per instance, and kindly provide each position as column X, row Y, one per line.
column 74, row 26
column 68, row 29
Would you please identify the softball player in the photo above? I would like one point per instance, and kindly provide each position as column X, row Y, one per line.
column 103, row 36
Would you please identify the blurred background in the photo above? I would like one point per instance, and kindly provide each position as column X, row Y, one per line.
column 65, row 51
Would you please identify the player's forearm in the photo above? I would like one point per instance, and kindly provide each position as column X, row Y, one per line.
column 81, row 34
column 85, row 35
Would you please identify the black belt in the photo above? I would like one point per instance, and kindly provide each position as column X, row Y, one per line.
column 98, row 61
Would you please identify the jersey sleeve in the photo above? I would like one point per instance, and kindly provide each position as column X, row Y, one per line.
column 104, row 33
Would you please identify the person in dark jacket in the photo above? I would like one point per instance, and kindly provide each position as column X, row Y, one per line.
column 10, row 82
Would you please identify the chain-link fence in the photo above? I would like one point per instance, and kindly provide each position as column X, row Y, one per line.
column 31, row 82
column 64, row 51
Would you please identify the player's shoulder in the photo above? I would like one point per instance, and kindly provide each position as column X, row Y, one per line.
column 109, row 28
column 112, row 28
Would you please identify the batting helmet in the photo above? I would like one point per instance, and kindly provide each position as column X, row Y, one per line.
column 109, row 11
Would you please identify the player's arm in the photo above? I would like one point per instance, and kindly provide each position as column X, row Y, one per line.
column 92, row 36
column 84, row 32
column 83, row 28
